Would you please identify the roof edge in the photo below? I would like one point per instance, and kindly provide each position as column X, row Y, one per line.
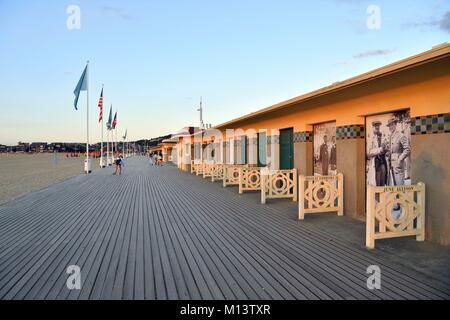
column 437, row 52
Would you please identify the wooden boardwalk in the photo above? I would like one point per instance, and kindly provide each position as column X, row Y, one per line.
column 158, row 233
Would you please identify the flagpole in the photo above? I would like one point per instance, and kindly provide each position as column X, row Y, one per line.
column 112, row 145
column 101, row 147
column 87, row 123
column 115, row 129
column 107, row 147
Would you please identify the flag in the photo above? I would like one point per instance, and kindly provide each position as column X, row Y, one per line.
column 114, row 123
column 100, row 105
column 108, row 124
column 125, row 136
column 81, row 86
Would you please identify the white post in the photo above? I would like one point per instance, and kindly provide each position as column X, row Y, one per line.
column 370, row 217
column 301, row 198
column 87, row 122
column 101, row 146
column 107, row 147
column 263, row 187
column 112, row 145
column 117, row 149
column 421, row 218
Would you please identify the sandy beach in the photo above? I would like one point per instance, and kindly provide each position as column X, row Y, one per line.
column 24, row 173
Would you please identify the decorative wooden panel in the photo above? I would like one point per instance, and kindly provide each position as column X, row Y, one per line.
column 395, row 212
column 278, row 184
column 249, row 179
column 231, row 175
column 207, row 169
column 199, row 168
column 217, row 172
column 321, row 194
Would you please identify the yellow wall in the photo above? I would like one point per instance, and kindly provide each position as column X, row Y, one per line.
column 407, row 91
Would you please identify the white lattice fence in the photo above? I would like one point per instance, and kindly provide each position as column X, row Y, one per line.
column 217, row 172
column 231, row 175
column 395, row 212
column 321, row 194
column 249, row 179
column 278, row 184
column 193, row 166
column 199, row 168
column 207, row 169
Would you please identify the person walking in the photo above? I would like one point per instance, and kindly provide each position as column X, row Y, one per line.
column 118, row 163
column 150, row 155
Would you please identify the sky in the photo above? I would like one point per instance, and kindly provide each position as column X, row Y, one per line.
column 156, row 58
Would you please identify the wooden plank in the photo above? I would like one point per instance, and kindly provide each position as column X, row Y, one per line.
column 158, row 233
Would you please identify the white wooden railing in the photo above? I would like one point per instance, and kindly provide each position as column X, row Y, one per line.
column 207, row 169
column 217, row 172
column 395, row 212
column 231, row 175
column 278, row 184
column 249, row 179
column 321, row 194
column 199, row 168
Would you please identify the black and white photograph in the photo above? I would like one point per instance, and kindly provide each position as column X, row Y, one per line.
column 325, row 149
column 388, row 149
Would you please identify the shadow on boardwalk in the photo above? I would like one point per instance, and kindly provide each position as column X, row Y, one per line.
column 157, row 233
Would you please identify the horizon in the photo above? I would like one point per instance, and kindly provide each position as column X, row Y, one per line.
column 157, row 59
column 77, row 142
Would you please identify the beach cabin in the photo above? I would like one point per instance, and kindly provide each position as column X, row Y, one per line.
column 386, row 127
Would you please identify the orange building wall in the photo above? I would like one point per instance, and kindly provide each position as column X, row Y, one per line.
column 424, row 90
column 424, row 98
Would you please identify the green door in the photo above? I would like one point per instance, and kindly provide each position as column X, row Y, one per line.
column 287, row 149
column 244, row 149
column 262, row 149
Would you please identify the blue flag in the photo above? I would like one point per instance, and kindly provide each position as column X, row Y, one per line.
column 81, row 86
column 108, row 124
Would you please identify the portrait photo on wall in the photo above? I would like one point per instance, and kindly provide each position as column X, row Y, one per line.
column 325, row 149
column 388, row 149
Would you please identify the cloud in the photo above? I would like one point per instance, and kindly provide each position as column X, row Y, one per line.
column 373, row 53
column 444, row 24
column 117, row 12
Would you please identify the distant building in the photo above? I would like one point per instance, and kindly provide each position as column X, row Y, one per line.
column 22, row 147
column 38, row 146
